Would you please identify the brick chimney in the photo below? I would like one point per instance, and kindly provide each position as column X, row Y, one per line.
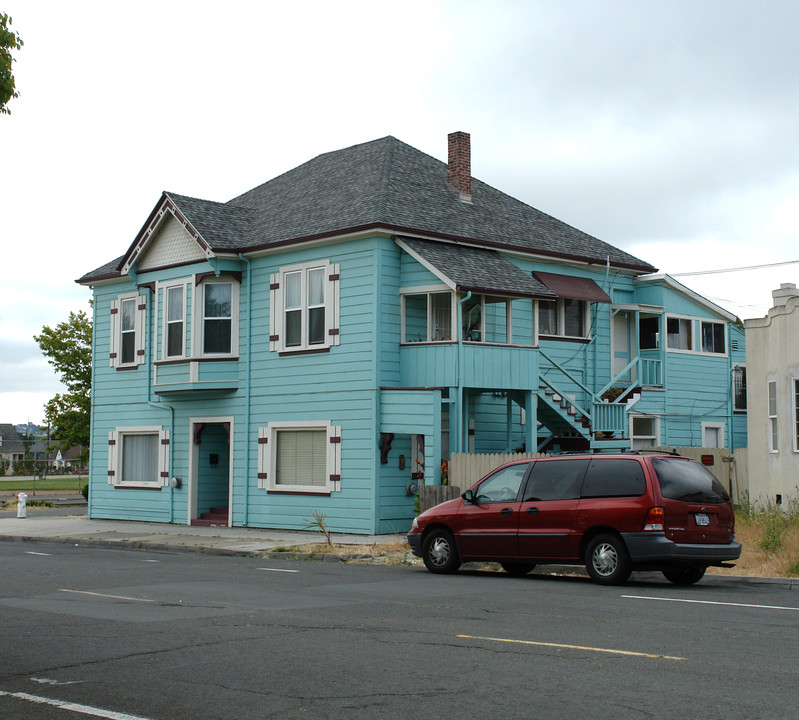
column 459, row 170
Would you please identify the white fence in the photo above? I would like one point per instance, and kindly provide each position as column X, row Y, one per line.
column 730, row 469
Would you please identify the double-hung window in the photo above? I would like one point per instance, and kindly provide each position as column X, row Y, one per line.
column 304, row 307
column 773, row 426
column 796, row 414
column 127, row 330
column 175, row 321
column 301, row 457
column 138, row 457
column 215, row 317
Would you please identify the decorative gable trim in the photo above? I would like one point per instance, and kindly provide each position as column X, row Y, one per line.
column 165, row 208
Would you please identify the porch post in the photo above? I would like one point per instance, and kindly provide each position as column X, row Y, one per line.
column 531, row 418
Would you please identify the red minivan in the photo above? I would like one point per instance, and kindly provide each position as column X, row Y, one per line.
column 613, row 512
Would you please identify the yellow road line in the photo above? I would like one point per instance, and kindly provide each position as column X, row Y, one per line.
column 575, row 647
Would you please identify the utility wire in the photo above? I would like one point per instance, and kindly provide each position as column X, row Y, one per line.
column 737, row 269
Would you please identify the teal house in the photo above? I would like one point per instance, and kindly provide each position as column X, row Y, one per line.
column 326, row 340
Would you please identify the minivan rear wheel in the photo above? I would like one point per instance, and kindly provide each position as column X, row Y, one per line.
column 607, row 560
column 439, row 552
column 684, row 574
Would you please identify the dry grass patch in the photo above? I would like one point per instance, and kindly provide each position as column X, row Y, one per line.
column 770, row 544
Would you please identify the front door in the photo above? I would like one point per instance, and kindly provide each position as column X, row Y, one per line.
column 211, row 471
column 622, row 345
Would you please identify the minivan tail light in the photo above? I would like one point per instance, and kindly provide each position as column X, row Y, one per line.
column 655, row 519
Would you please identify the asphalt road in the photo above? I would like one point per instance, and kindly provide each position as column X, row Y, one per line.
column 166, row 636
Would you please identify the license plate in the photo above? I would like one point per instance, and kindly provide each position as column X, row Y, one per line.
column 702, row 519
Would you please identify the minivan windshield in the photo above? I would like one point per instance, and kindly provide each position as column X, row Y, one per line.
column 688, row 481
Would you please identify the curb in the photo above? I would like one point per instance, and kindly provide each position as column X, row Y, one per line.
column 546, row 570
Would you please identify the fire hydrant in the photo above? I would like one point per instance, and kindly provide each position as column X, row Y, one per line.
column 22, row 507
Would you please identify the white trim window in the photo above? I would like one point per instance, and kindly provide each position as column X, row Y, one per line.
column 304, row 302
column 679, row 333
column 795, row 396
column 644, row 431
column 299, row 457
column 427, row 315
column 128, row 314
column 215, row 331
column 714, row 337
column 174, row 338
column 713, row 435
column 563, row 317
column 138, row 457
column 773, row 425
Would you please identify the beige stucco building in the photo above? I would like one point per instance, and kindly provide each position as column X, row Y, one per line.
column 772, row 369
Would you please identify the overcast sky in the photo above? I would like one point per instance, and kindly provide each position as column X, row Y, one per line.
column 665, row 128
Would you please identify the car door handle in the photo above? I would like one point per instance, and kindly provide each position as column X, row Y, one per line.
column 506, row 511
column 532, row 511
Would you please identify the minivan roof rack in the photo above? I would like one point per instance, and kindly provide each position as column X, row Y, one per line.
column 653, row 451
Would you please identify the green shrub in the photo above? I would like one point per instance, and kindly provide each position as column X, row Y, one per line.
column 85, row 492
column 774, row 523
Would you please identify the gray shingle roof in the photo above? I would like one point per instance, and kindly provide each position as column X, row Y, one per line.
column 12, row 441
column 478, row 269
column 384, row 183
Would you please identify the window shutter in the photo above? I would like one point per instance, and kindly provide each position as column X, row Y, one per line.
column 163, row 457
column 263, row 456
column 334, row 456
column 275, row 312
column 114, row 348
column 332, row 311
column 141, row 316
column 113, row 454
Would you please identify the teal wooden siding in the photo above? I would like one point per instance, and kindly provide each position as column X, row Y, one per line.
column 346, row 386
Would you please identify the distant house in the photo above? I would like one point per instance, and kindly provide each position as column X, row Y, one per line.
column 325, row 340
column 12, row 448
column 772, row 366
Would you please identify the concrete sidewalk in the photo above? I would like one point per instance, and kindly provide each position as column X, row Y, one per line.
column 44, row 526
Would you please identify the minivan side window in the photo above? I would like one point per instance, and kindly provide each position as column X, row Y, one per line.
column 614, row 478
column 555, row 480
column 503, row 485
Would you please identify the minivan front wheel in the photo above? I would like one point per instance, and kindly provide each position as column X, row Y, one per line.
column 684, row 574
column 439, row 552
column 607, row 560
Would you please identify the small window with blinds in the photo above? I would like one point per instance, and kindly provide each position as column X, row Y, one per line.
column 299, row 457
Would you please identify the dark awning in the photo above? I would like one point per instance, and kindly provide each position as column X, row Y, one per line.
column 573, row 288
column 477, row 269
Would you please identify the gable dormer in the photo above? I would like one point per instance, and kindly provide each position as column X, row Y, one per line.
column 168, row 238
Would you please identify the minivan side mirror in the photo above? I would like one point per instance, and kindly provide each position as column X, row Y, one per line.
column 468, row 496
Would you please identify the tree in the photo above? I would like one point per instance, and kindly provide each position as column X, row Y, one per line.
column 9, row 40
column 68, row 348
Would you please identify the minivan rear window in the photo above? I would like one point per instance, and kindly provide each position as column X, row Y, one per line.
column 688, row 481
column 610, row 477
